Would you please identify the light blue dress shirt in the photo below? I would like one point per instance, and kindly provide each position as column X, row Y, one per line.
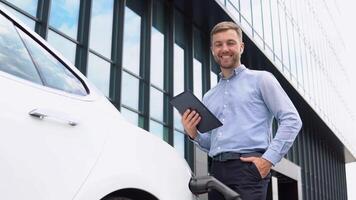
column 246, row 103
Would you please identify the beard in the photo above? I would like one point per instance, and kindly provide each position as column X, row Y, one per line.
column 228, row 63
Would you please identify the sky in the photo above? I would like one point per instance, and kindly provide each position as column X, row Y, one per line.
column 348, row 31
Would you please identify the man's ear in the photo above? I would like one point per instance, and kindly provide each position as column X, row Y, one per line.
column 242, row 47
column 212, row 52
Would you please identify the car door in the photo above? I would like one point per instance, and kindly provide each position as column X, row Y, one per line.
column 51, row 125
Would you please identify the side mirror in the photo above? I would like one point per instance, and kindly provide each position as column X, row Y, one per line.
column 203, row 184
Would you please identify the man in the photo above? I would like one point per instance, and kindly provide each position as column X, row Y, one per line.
column 245, row 101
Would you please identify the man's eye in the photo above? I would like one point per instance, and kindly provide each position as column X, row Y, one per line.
column 231, row 43
column 218, row 45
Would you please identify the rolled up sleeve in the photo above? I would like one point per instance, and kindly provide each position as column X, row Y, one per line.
column 289, row 122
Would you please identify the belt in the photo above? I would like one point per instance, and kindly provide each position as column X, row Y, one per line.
column 225, row 156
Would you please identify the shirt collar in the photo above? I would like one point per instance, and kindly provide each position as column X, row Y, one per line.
column 236, row 71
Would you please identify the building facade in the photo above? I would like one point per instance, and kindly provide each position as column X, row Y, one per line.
column 140, row 53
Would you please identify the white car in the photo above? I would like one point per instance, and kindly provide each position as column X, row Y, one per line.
column 62, row 139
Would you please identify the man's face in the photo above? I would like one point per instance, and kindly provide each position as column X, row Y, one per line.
column 227, row 49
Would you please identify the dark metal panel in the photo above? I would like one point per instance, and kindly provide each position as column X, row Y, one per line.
column 43, row 16
column 169, row 64
column 145, row 61
column 81, row 58
column 188, row 72
column 116, row 53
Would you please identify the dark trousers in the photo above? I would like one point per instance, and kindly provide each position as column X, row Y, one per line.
column 242, row 177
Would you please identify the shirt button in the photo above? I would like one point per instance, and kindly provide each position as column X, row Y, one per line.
column 227, row 80
column 226, row 92
column 224, row 105
column 219, row 148
column 223, row 119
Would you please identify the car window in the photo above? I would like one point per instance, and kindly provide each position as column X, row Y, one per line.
column 14, row 58
column 53, row 72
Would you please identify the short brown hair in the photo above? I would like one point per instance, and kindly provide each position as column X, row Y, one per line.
column 224, row 26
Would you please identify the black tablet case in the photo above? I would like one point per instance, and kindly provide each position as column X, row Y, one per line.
column 187, row 100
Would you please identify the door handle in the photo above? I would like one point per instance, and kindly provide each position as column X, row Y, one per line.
column 57, row 116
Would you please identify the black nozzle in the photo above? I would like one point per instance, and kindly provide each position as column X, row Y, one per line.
column 203, row 184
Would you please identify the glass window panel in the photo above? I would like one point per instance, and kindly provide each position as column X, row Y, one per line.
column 197, row 78
column 178, row 142
column 276, row 30
column 233, row 8
column 177, row 120
column 29, row 6
column 285, row 52
column 157, row 129
column 257, row 16
column 305, row 66
column 132, row 117
column 222, row 2
column 293, row 68
column 157, row 58
column 299, row 60
column 101, row 27
column 130, row 90
column 54, row 73
column 27, row 21
column 267, row 23
column 99, row 73
column 245, row 9
column 156, row 104
column 64, row 46
column 132, row 30
column 213, row 79
column 178, row 69
column 64, row 16
column 14, row 57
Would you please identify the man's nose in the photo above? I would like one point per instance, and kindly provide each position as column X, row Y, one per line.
column 224, row 47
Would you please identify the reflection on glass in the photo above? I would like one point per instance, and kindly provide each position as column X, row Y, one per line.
column 99, row 73
column 66, row 47
column 130, row 90
column 156, row 104
column 178, row 142
column 29, row 6
column 178, row 69
column 131, row 49
column 213, row 79
column 29, row 22
column 177, row 120
column 14, row 57
column 197, row 77
column 54, row 73
column 157, row 58
column 156, row 129
column 132, row 117
column 101, row 26
column 64, row 16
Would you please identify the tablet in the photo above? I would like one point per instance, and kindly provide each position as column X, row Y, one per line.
column 187, row 100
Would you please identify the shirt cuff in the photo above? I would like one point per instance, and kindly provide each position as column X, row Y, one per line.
column 272, row 156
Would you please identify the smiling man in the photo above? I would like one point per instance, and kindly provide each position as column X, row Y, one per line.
column 246, row 101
